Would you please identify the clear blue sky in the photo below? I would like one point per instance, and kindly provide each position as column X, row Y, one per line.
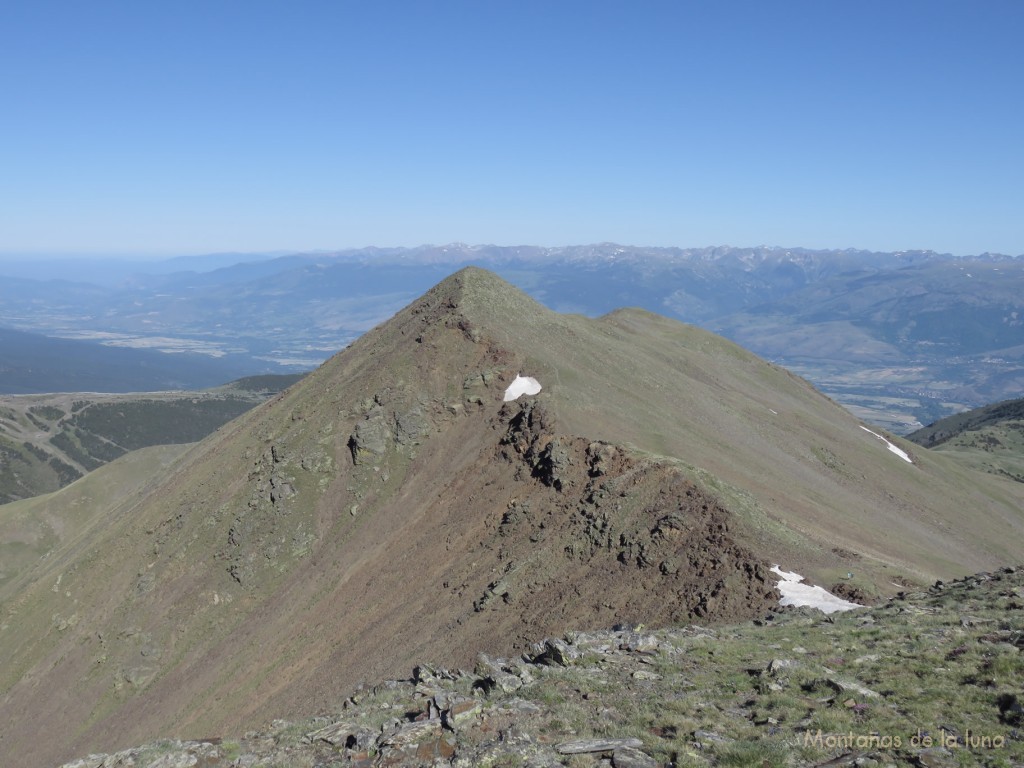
column 179, row 127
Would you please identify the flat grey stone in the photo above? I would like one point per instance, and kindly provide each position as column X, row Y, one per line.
column 629, row 757
column 582, row 746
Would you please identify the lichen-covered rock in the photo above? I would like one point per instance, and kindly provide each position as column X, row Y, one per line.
column 370, row 438
column 514, row 747
column 162, row 754
column 411, row 426
column 583, row 746
column 555, row 651
column 630, row 757
column 280, row 489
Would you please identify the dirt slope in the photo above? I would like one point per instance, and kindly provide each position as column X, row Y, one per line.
column 392, row 509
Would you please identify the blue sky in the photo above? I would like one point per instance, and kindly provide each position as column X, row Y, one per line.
column 189, row 127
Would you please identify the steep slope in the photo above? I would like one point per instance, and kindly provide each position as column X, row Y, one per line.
column 392, row 509
column 32, row 528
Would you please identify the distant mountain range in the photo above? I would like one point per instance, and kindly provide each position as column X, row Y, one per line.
column 901, row 338
column 397, row 507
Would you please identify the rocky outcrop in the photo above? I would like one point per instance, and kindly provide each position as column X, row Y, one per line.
column 382, row 429
column 371, row 437
column 614, row 506
column 269, row 531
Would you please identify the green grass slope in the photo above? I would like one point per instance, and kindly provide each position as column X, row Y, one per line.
column 990, row 439
column 391, row 507
column 1007, row 411
column 33, row 528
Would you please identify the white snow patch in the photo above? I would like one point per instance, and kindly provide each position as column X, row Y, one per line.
column 522, row 385
column 795, row 592
column 895, row 449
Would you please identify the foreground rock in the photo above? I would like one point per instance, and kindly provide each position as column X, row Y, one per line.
column 761, row 694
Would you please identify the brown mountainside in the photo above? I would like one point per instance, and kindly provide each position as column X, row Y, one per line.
column 391, row 509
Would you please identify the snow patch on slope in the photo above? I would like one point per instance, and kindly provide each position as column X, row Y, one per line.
column 795, row 592
column 522, row 385
column 895, row 449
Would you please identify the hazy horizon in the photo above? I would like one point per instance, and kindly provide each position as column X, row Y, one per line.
column 130, row 257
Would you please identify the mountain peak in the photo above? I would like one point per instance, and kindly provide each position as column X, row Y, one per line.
column 392, row 509
column 475, row 305
column 481, row 296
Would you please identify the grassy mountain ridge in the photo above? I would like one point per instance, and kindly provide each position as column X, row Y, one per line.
column 391, row 508
column 990, row 438
column 951, row 427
